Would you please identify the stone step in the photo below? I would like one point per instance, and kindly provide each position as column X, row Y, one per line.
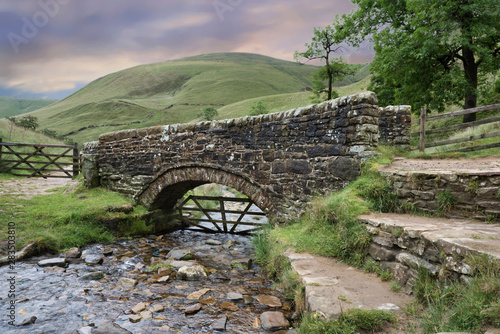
column 332, row 287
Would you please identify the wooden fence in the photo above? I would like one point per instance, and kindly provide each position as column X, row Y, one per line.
column 220, row 225
column 423, row 132
column 35, row 162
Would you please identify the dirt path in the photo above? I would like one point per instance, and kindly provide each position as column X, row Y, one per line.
column 449, row 165
column 29, row 187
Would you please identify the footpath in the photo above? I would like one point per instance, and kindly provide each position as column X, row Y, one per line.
column 404, row 243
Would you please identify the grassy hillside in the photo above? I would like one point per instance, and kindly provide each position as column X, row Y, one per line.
column 170, row 92
column 13, row 106
column 282, row 102
column 15, row 134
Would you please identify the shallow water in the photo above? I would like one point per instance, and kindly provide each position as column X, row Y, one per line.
column 63, row 303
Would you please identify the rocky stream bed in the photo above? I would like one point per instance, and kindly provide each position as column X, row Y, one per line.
column 184, row 282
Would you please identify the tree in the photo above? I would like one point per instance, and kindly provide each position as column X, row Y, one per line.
column 323, row 44
column 27, row 122
column 337, row 70
column 209, row 113
column 258, row 108
column 427, row 53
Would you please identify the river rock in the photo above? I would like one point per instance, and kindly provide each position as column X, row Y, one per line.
column 135, row 318
column 193, row 309
column 220, row 324
column 96, row 275
column 198, row 294
column 163, row 279
column 234, row 296
column 94, row 259
column 139, row 308
column 28, row 321
column 52, row 270
column 107, row 251
column 194, row 273
column 245, row 264
column 127, row 282
column 180, row 254
column 273, row 321
column 110, row 328
column 213, row 242
column 58, row 262
column 270, row 301
column 157, row 308
column 146, row 315
column 73, row 253
column 229, row 306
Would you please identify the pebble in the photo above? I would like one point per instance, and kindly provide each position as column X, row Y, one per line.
column 270, row 301
column 194, row 273
column 220, row 324
column 139, row 308
column 127, row 282
column 229, row 306
column 94, row 259
column 198, row 294
column 73, row 253
column 52, row 270
column 234, row 296
column 135, row 318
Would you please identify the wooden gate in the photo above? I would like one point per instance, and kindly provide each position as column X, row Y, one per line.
column 31, row 160
column 229, row 217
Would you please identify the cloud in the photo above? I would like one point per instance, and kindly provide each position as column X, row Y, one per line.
column 84, row 40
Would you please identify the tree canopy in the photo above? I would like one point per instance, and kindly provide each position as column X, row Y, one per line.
column 428, row 53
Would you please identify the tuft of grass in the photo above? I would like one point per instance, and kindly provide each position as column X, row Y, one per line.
column 353, row 321
column 446, row 201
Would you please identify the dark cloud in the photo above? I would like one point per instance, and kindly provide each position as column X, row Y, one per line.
column 78, row 41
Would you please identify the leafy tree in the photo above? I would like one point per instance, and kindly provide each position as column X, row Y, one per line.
column 209, row 113
column 337, row 70
column 427, row 53
column 258, row 108
column 27, row 122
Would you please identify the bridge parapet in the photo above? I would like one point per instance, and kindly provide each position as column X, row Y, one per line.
column 279, row 160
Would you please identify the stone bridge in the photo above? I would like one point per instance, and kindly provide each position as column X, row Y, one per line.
column 280, row 160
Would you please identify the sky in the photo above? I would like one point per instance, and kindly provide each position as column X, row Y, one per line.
column 51, row 48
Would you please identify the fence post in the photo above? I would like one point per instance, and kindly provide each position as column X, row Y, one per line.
column 423, row 116
column 1, row 139
column 76, row 160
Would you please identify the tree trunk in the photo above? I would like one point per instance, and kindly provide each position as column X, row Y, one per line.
column 330, row 85
column 470, row 69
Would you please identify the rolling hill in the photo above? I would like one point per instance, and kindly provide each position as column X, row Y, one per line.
column 13, row 106
column 170, row 92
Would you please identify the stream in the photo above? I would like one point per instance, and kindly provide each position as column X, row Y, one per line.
column 127, row 290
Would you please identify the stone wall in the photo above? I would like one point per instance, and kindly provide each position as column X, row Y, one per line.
column 403, row 245
column 279, row 160
column 475, row 194
column 395, row 125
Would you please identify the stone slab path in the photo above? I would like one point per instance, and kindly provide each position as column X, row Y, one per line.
column 468, row 236
column 332, row 287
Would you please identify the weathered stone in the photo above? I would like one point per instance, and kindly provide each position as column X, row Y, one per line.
column 94, row 259
column 194, row 273
column 273, row 321
column 198, row 294
column 110, row 328
column 415, row 262
column 146, row 315
column 220, row 323
column 270, row 301
column 139, row 308
column 96, row 275
column 127, row 282
column 58, row 262
column 229, row 306
column 155, row 308
column 180, row 254
column 54, row 270
column 245, row 264
column 135, row 318
column 381, row 253
column 73, row 253
column 193, row 309
column 234, row 296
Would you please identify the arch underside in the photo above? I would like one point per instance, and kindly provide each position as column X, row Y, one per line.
column 171, row 185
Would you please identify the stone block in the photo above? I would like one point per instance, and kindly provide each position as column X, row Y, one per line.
column 381, row 253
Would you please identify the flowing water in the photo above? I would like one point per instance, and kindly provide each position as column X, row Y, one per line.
column 64, row 303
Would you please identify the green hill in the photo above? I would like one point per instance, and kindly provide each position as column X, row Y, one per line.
column 13, row 106
column 171, row 92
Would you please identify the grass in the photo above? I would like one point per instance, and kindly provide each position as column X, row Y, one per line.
column 61, row 220
column 13, row 106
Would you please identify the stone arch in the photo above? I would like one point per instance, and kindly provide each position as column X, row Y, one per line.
column 171, row 184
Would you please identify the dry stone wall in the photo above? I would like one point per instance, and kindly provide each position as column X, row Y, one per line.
column 395, row 125
column 279, row 160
